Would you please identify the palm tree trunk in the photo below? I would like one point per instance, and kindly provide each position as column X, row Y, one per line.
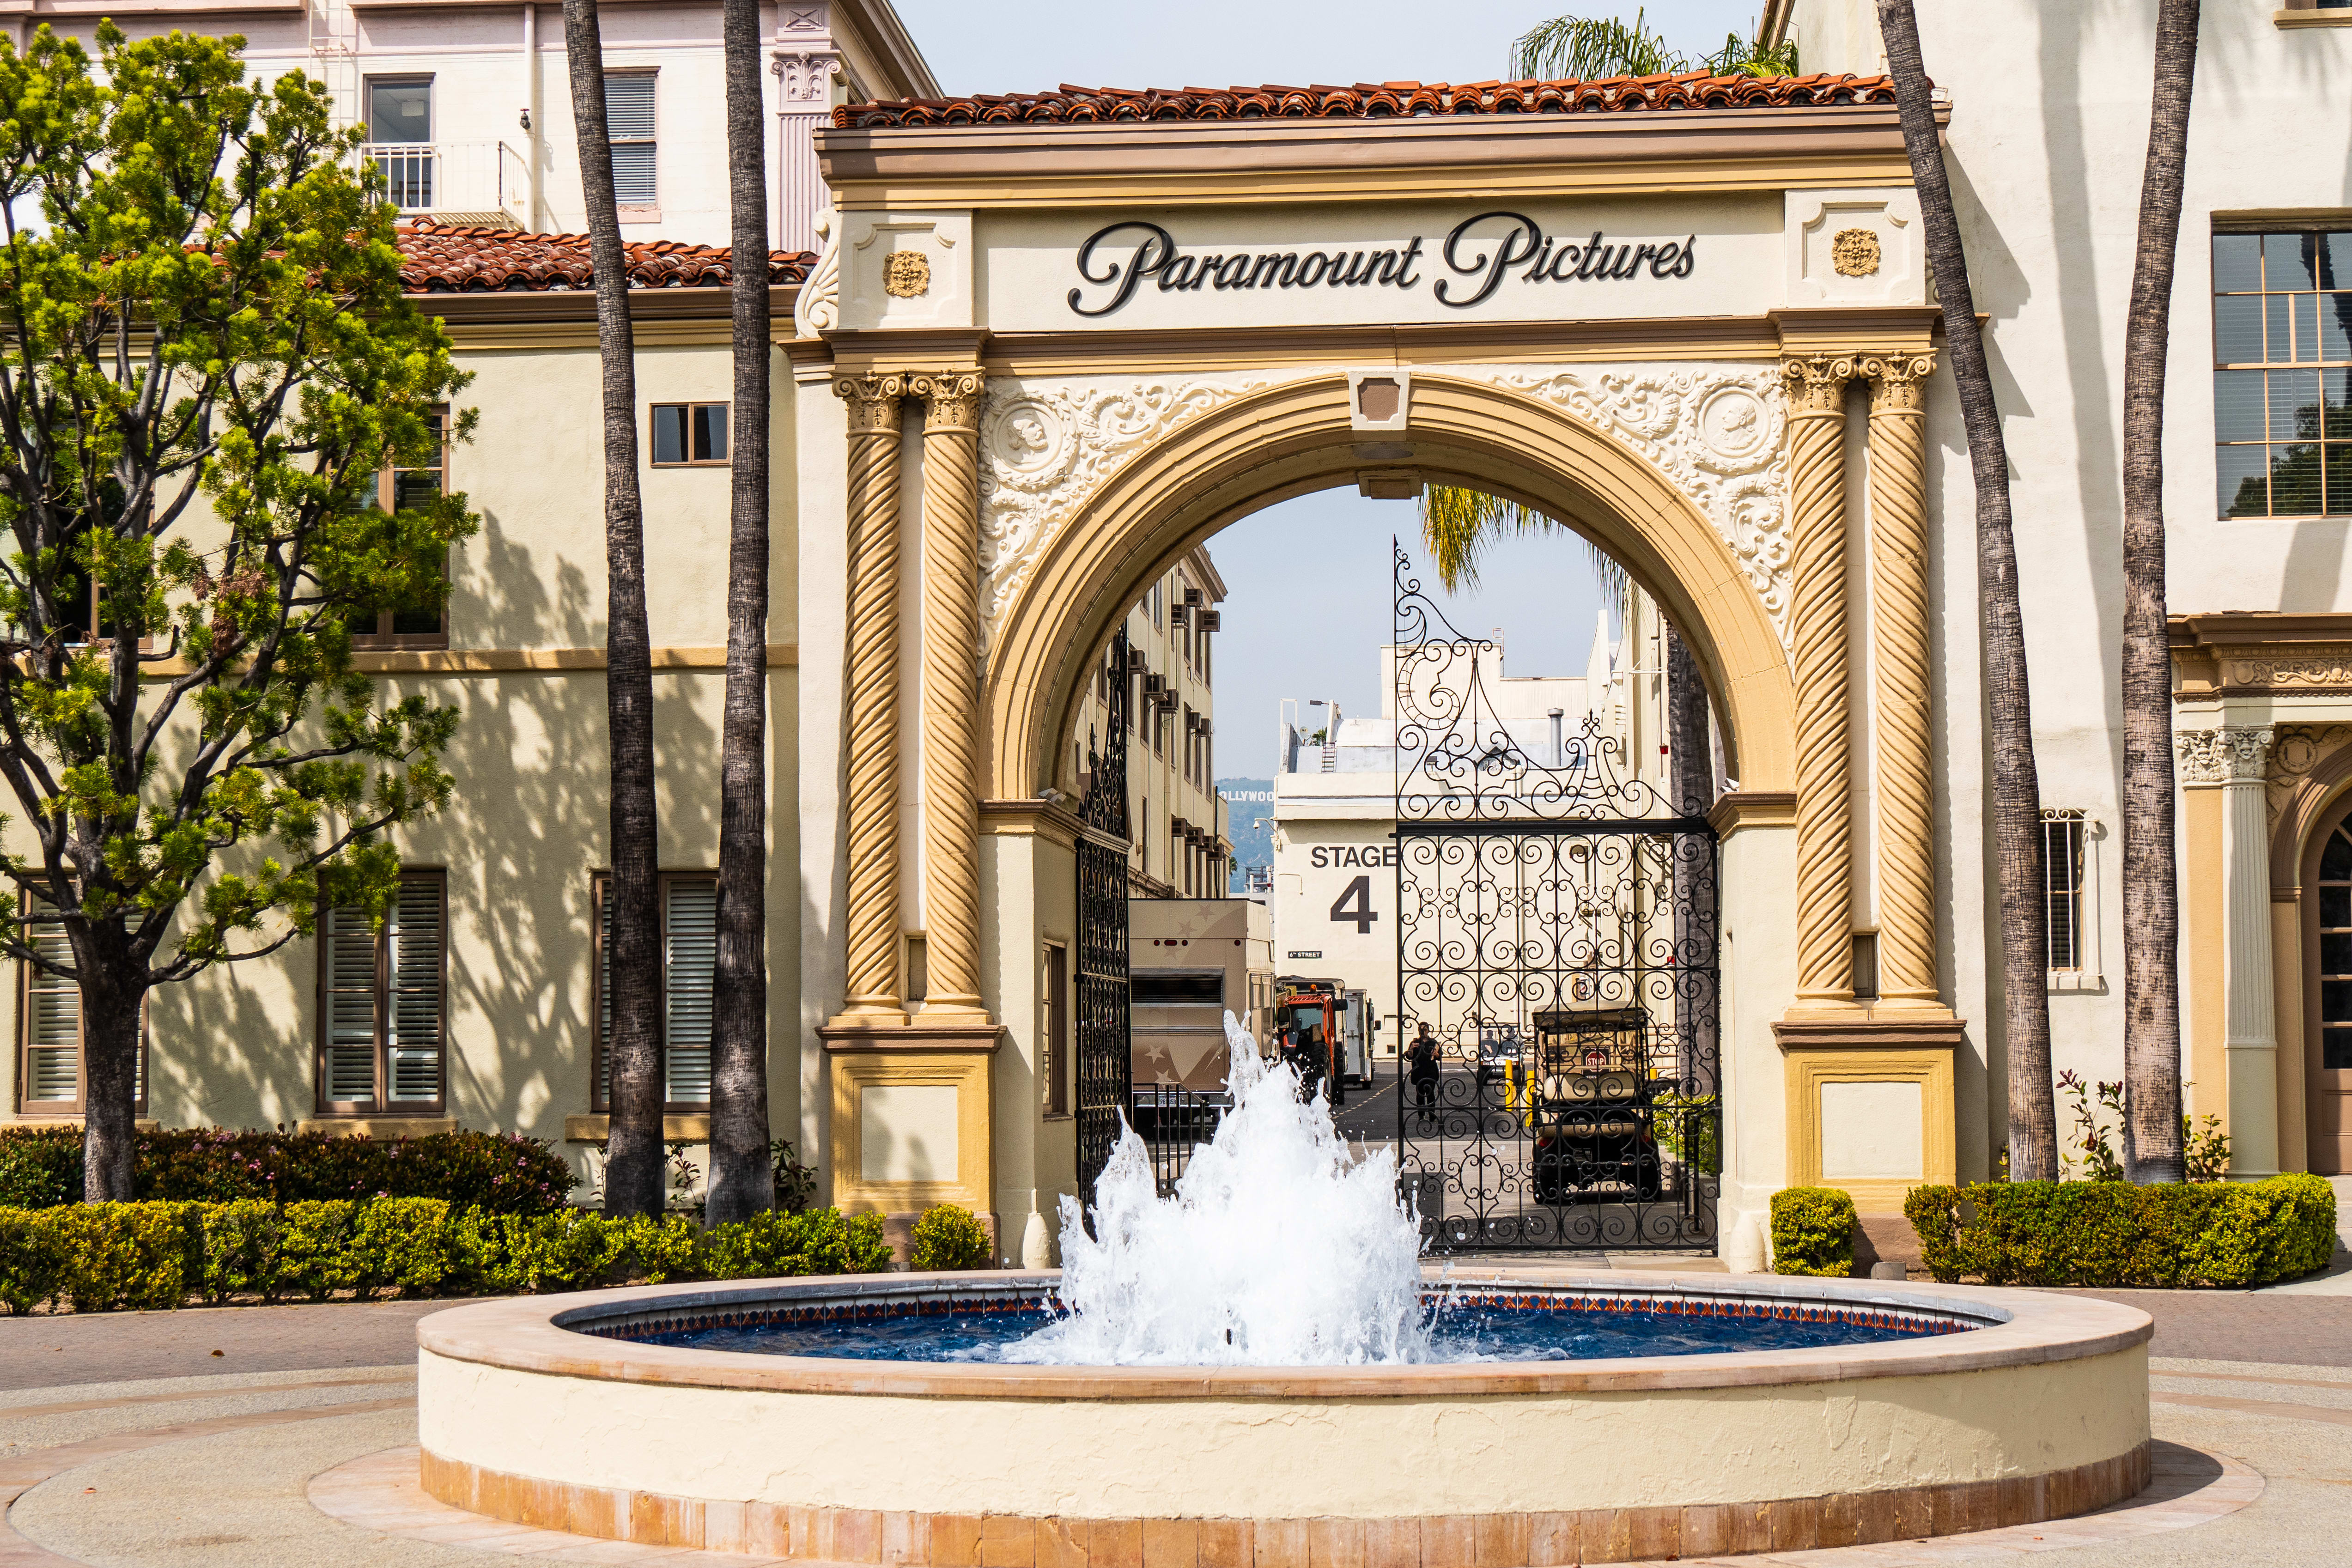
column 633, row 1155
column 742, row 1177
column 2016, row 786
column 2152, row 1149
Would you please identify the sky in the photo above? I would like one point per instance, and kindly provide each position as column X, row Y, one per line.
column 1310, row 579
column 1042, row 44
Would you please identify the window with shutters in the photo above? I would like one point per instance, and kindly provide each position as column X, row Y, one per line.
column 425, row 626
column 381, row 1018
column 48, row 1030
column 688, row 911
column 629, row 122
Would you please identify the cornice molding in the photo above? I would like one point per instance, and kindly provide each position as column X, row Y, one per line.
column 1265, row 162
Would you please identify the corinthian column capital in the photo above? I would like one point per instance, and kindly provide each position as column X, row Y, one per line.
column 1897, row 381
column 1815, row 384
column 872, row 402
column 951, row 400
column 2245, row 755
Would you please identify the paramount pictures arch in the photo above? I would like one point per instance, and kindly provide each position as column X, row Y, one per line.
column 1062, row 355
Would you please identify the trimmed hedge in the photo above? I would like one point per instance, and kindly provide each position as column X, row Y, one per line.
column 1813, row 1232
column 949, row 1237
column 108, row 1256
column 2117, row 1236
column 40, row 1167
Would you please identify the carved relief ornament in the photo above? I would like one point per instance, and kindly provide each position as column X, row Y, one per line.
column 1898, row 383
column 2234, row 755
column 1046, row 450
column 818, row 308
column 2295, row 752
column 2315, row 667
column 1716, row 435
column 1816, row 384
column 872, row 402
column 1854, row 252
column 906, row 274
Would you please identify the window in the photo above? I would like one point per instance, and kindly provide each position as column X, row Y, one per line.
column 2336, row 951
column 48, row 1030
column 381, row 1018
column 2283, row 373
column 1866, row 965
column 688, row 909
column 2061, row 879
column 1178, row 987
column 690, row 433
column 397, row 490
column 400, row 138
column 1054, row 1052
column 629, row 122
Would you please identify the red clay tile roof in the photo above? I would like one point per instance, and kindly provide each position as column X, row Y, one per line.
column 1370, row 101
column 441, row 258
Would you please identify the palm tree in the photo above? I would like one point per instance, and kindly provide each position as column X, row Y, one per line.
column 1584, row 48
column 742, row 1176
column 2152, row 1151
column 633, row 1152
column 2016, row 786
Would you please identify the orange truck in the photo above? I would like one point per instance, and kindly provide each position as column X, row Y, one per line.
column 1339, row 1021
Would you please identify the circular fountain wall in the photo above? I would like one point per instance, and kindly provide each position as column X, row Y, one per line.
column 1991, row 1407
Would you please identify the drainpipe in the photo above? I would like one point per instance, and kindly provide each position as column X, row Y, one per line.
column 1559, row 745
column 530, row 117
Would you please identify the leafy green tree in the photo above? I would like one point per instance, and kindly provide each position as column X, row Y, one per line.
column 205, row 360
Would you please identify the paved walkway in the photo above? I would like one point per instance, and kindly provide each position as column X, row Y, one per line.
column 172, row 1463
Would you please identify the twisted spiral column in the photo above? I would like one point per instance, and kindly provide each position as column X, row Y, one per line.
column 1899, row 566
column 872, row 689
column 1815, row 384
column 952, row 688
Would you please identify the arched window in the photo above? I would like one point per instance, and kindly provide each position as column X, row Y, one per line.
column 2330, row 1068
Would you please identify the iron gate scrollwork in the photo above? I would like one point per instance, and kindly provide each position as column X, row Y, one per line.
column 1103, row 1059
column 1557, row 938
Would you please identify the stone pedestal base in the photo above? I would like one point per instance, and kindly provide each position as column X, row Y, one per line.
column 1869, row 1103
column 911, row 1120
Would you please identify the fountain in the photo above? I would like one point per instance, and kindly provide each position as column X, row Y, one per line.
column 1255, row 1370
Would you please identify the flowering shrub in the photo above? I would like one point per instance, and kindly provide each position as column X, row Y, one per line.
column 41, row 1167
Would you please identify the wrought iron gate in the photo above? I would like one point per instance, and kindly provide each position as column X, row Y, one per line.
column 1103, row 1060
column 1557, row 941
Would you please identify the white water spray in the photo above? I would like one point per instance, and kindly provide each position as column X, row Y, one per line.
column 1282, row 1247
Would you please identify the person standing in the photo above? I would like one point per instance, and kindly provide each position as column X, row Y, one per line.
column 1421, row 1064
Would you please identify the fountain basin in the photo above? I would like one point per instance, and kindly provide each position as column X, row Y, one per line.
column 550, row 1412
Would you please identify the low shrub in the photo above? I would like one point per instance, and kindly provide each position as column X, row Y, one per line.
column 138, row 1257
column 1813, row 1232
column 950, row 1238
column 41, row 1167
column 102, row 1256
column 2117, row 1236
column 814, row 1241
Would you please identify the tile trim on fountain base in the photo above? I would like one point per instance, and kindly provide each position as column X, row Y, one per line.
column 897, row 1539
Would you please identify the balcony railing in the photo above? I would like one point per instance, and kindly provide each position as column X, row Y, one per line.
column 447, row 177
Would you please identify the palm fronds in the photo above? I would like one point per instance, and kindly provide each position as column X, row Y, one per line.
column 1457, row 525
column 1585, row 49
column 1588, row 49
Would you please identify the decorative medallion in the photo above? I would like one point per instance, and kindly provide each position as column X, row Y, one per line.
column 1715, row 435
column 1854, row 252
column 906, row 274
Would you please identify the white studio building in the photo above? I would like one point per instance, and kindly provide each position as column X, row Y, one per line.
column 1335, row 845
